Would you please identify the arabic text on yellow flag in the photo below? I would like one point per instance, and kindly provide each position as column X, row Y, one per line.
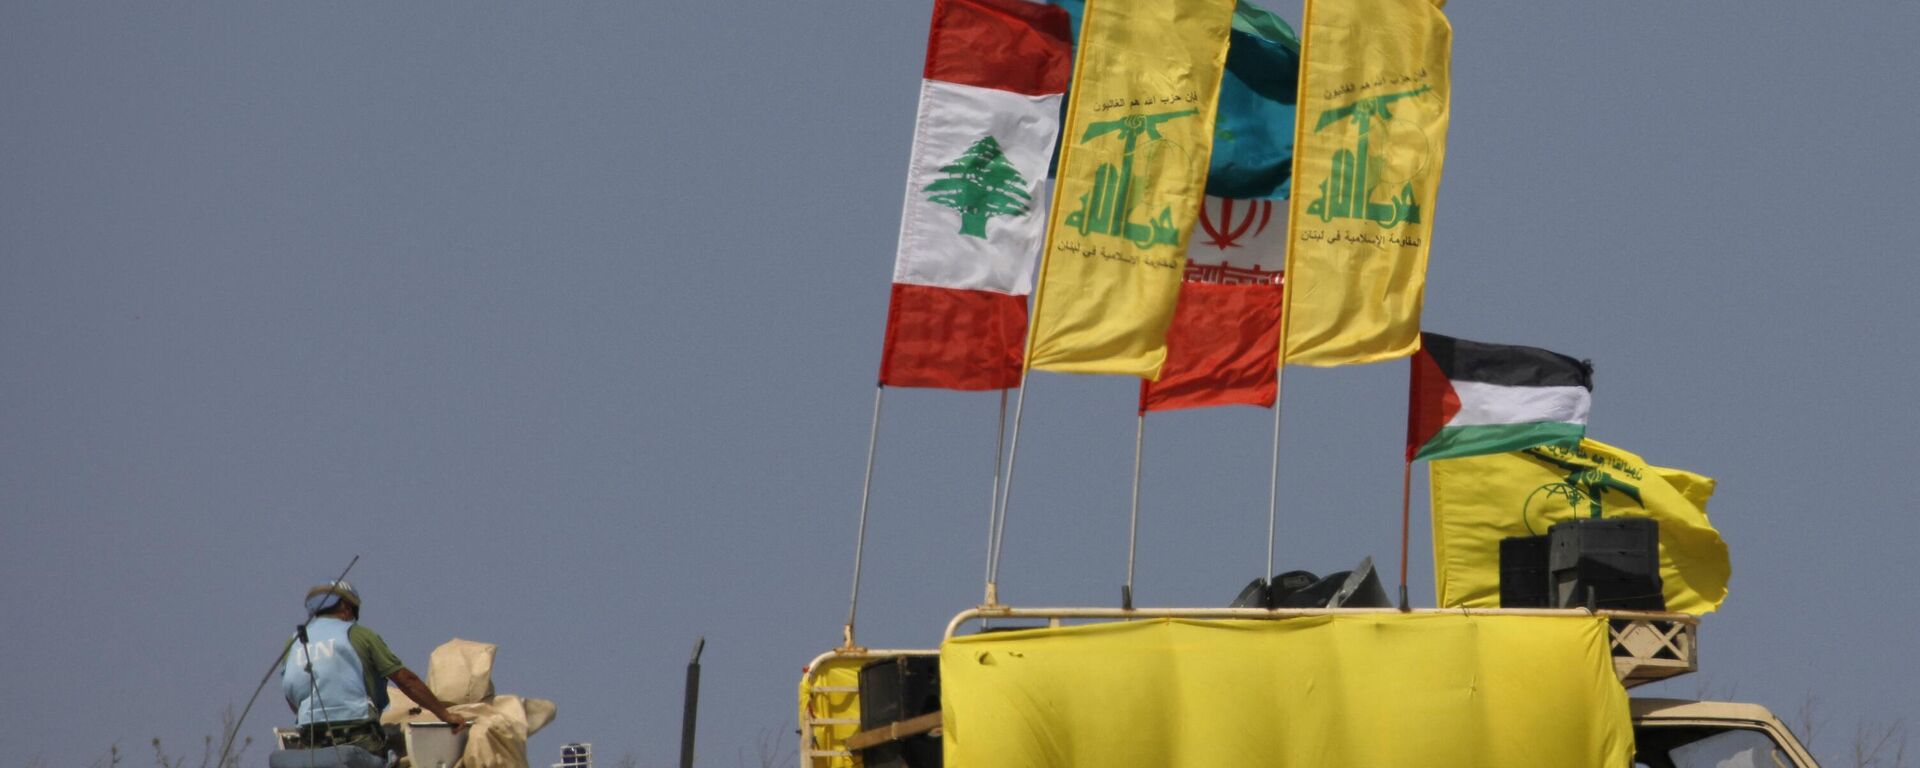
column 1390, row 689
column 1479, row 501
column 1133, row 166
column 1374, row 91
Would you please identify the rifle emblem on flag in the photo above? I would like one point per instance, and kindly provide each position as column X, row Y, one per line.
column 1348, row 192
column 1582, row 483
column 1107, row 210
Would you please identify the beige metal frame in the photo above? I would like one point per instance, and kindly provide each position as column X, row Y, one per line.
column 1649, row 649
column 1669, row 713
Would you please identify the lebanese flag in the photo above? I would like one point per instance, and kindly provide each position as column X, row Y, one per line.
column 1223, row 347
column 976, row 199
column 1468, row 398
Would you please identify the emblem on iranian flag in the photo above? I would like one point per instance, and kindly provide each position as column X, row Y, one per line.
column 1238, row 242
column 1226, row 221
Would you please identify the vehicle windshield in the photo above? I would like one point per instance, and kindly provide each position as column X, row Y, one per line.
column 1706, row 747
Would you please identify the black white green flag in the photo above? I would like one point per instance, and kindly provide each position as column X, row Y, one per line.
column 1468, row 398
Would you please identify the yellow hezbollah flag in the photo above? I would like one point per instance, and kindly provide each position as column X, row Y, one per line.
column 1374, row 90
column 1481, row 500
column 1387, row 689
column 1133, row 167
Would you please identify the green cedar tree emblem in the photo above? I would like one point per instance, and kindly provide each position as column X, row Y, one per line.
column 981, row 183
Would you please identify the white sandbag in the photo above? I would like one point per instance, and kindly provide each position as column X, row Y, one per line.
column 498, row 733
column 461, row 671
column 539, row 713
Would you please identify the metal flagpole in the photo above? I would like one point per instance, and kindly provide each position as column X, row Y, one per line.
column 1273, row 477
column 1406, row 492
column 1006, row 493
column 993, row 501
column 1133, row 524
column 1279, row 379
column 860, row 538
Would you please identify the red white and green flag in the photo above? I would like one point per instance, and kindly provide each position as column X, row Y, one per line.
column 1223, row 346
column 976, row 203
column 1469, row 398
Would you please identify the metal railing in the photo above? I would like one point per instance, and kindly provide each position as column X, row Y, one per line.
column 1057, row 615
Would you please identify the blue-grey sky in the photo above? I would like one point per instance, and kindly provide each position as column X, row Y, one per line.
column 565, row 317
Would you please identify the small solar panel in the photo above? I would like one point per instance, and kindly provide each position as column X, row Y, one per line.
column 575, row 756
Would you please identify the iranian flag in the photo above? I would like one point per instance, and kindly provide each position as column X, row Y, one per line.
column 976, row 199
column 1468, row 398
column 1223, row 346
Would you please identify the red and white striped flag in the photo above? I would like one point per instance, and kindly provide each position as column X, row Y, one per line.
column 977, row 194
column 1223, row 347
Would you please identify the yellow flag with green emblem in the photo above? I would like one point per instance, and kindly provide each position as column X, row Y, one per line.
column 1369, row 141
column 1479, row 501
column 1133, row 166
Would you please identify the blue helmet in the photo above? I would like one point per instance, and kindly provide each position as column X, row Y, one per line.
column 326, row 596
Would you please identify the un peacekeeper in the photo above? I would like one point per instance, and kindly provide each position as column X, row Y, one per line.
column 351, row 664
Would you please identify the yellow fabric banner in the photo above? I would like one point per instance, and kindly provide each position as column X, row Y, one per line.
column 830, row 710
column 1133, row 168
column 1479, row 501
column 1372, row 132
column 1390, row 689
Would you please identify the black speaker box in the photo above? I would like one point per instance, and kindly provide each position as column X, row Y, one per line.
column 895, row 689
column 1524, row 579
column 1606, row 563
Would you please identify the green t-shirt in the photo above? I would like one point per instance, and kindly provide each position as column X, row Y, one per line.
column 377, row 662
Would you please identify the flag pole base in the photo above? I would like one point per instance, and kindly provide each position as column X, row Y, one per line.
column 1126, row 597
column 1404, row 607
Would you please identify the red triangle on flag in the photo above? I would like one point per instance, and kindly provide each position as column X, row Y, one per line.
column 1431, row 401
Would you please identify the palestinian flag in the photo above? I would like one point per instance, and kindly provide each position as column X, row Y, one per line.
column 1468, row 398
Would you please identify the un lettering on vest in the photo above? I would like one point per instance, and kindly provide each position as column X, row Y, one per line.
column 320, row 649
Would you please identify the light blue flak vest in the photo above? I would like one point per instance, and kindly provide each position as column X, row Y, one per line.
column 336, row 667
